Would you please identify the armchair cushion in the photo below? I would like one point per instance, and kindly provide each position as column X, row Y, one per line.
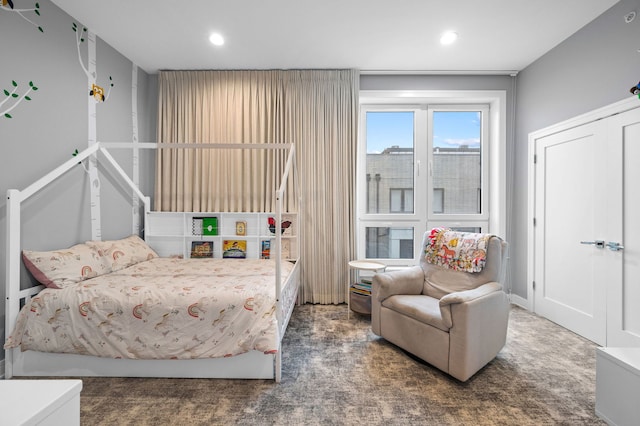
column 422, row 308
column 405, row 281
column 440, row 281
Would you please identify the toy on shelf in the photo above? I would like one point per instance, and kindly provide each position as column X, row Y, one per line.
column 283, row 226
column 636, row 90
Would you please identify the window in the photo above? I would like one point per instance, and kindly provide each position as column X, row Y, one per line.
column 401, row 200
column 456, row 146
column 438, row 200
column 389, row 161
column 422, row 165
column 389, row 243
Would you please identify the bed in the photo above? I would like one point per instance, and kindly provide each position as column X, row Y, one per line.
column 115, row 308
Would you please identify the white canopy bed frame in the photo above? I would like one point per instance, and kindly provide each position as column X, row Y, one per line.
column 250, row 365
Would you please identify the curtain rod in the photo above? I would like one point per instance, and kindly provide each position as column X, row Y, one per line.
column 511, row 73
column 180, row 145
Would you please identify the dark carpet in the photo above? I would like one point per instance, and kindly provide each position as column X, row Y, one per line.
column 337, row 372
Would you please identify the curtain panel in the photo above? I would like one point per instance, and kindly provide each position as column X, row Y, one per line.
column 317, row 110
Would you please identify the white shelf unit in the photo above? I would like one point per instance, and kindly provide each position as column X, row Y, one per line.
column 171, row 234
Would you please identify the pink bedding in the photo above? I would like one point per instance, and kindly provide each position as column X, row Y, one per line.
column 158, row 309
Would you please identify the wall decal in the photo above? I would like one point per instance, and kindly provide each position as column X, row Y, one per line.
column 95, row 91
column 75, row 153
column 8, row 6
column 15, row 97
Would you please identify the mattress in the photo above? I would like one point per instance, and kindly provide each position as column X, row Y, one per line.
column 158, row 309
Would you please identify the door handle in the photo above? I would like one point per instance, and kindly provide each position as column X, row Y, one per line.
column 597, row 243
column 613, row 246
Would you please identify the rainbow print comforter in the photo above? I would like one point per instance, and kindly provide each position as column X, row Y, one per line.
column 158, row 309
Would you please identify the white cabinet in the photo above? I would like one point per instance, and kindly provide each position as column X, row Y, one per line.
column 618, row 385
column 40, row 402
column 182, row 234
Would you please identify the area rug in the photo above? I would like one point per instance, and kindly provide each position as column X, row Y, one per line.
column 337, row 372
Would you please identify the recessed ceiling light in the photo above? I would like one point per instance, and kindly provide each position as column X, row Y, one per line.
column 448, row 37
column 216, row 39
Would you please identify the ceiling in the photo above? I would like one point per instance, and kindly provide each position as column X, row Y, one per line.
column 495, row 36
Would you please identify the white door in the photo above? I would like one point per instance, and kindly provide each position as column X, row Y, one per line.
column 587, row 232
column 569, row 276
column 623, row 227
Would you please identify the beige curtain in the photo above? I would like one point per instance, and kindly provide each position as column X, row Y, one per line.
column 315, row 110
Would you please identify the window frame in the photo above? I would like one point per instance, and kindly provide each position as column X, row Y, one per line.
column 433, row 203
column 484, row 165
column 492, row 217
column 361, row 199
column 403, row 198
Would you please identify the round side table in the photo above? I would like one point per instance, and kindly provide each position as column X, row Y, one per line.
column 361, row 291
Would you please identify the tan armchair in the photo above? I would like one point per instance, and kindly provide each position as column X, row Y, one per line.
column 454, row 320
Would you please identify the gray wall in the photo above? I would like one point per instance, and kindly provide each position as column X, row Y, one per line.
column 593, row 68
column 45, row 131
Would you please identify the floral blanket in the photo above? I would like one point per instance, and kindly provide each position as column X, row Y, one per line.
column 460, row 251
column 158, row 309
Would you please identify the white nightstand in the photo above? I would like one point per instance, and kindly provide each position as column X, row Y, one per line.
column 618, row 385
column 362, row 301
column 40, row 402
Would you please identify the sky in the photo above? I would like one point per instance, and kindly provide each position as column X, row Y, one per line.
column 451, row 129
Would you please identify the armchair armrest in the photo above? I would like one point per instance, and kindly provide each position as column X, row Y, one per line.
column 404, row 281
column 469, row 295
column 479, row 328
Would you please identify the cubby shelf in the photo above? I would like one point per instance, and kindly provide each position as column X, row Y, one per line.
column 171, row 234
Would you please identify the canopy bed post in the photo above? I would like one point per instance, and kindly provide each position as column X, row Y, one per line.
column 12, row 303
column 279, row 308
column 13, row 294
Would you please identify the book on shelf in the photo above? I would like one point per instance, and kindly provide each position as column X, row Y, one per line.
column 204, row 225
column 360, row 291
column 210, row 225
column 234, row 249
column 241, row 227
column 362, row 286
column 201, row 249
column 265, row 249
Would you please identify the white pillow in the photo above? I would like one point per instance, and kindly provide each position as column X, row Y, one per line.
column 120, row 254
column 60, row 268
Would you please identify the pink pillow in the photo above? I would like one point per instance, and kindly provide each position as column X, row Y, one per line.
column 60, row 268
column 120, row 254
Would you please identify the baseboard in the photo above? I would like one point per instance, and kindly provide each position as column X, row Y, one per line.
column 520, row 301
